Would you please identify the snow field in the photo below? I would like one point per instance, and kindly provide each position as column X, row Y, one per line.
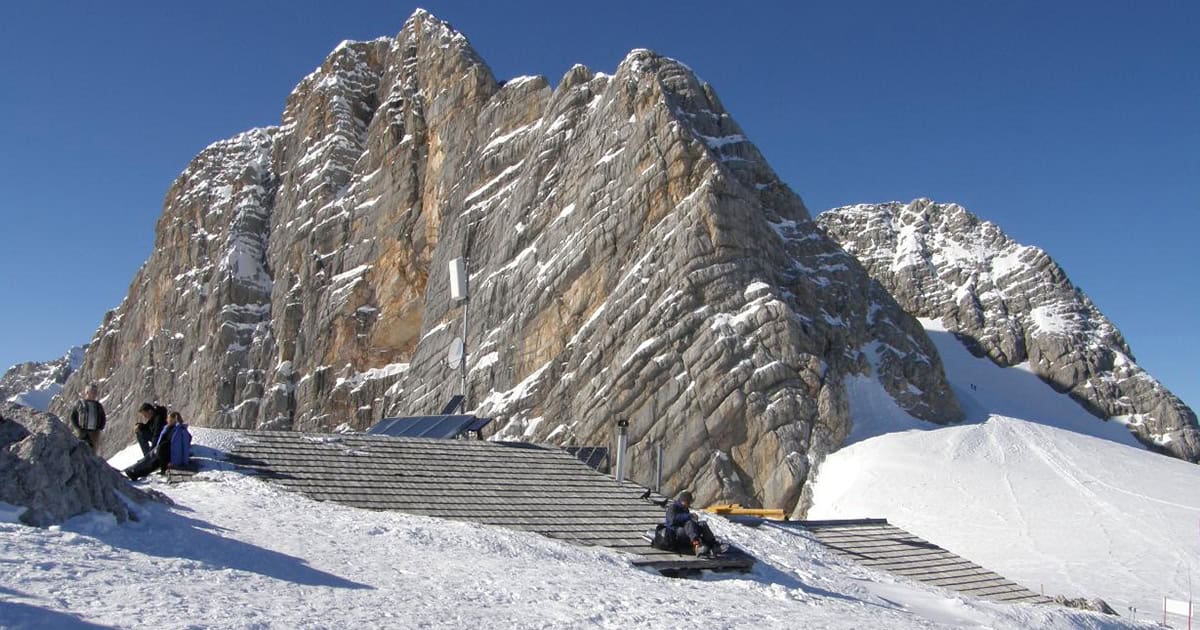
column 1030, row 486
column 237, row 552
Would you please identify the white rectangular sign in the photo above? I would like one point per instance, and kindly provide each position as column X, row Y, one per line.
column 1176, row 607
column 458, row 280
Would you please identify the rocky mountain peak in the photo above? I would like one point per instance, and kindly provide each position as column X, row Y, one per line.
column 631, row 256
column 35, row 383
column 1014, row 304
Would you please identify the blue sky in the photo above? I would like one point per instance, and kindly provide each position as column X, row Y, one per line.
column 1074, row 126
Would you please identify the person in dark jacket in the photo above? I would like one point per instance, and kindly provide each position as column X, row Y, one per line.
column 87, row 417
column 688, row 526
column 172, row 450
column 154, row 418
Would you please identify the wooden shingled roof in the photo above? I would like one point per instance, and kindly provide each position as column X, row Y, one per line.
column 514, row 485
column 881, row 545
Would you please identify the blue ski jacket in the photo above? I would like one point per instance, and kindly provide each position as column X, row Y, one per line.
column 677, row 514
column 181, row 446
column 174, row 446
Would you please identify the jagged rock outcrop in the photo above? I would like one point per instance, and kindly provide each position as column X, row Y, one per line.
column 631, row 255
column 1082, row 603
column 52, row 474
column 1014, row 304
column 35, row 383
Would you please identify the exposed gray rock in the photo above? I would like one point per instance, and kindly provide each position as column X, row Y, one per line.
column 35, row 383
column 54, row 475
column 1082, row 603
column 631, row 256
column 1014, row 304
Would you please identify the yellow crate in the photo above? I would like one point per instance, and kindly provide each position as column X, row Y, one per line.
column 736, row 509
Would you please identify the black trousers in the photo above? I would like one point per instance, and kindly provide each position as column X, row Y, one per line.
column 695, row 530
column 145, row 466
column 145, row 437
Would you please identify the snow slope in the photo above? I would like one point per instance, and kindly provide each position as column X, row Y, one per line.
column 236, row 552
column 1031, row 486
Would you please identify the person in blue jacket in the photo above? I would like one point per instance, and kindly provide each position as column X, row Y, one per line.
column 172, row 450
column 688, row 526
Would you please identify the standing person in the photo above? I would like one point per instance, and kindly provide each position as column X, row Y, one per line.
column 154, row 418
column 172, row 450
column 688, row 526
column 87, row 418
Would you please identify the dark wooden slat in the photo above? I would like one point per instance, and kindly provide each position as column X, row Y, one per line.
column 875, row 543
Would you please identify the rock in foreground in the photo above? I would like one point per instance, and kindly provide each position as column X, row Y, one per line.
column 53, row 475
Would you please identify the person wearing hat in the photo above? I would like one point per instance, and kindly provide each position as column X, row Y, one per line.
column 688, row 526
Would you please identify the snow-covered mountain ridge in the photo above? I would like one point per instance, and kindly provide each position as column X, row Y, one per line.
column 35, row 383
column 1014, row 304
column 1031, row 486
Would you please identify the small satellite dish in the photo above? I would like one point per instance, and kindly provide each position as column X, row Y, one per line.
column 454, row 353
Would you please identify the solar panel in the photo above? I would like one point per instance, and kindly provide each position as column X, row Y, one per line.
column 436, row 427
column 455, row 402
column 477, row 425
column 596, row 457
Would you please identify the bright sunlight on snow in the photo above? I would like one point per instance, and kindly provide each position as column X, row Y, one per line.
column 238, row 552
column 1030, row 486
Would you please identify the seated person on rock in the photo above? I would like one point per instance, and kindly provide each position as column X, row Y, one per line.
column 154, row 419
column 172, row 450
column 688, row 526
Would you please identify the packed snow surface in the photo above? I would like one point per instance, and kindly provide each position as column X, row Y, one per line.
column 238, row 552
column 1030, row 486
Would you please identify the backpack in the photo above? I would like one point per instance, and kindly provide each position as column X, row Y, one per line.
column 664, row 538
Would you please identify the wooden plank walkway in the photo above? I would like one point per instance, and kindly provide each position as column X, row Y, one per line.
column 881, row 545
column 515, row 485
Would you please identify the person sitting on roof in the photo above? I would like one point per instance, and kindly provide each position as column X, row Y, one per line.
column 688, row 526
column 172, row 450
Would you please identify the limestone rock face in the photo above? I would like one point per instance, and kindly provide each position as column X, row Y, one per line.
column 630, row 255
column 52, row 474
column 1014, row 304
column 35, row 383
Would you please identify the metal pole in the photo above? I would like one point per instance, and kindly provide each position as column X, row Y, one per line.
column 658, row 465
column 466, row 302
column 622, row 443
column 465, row 404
